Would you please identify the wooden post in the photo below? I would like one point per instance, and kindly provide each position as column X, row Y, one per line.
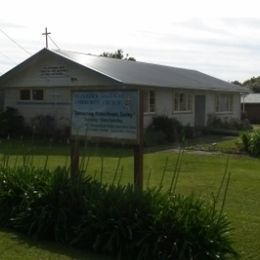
column 138, row 149
column 74, row 158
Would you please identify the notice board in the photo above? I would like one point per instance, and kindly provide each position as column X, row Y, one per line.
column 106, row 115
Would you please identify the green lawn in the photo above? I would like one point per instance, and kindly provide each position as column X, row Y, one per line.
column 18, row 247
column 200, row 174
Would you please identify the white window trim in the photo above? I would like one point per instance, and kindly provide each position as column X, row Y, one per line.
column 31, row 95
column 173, row 102
column 148, row 92
column 230, row 105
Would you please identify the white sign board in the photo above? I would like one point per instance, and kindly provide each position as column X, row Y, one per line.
column 108, row 115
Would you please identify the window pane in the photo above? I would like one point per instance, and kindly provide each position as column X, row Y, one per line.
column 224, row 103
column 37, row 94
column 149, row 101
column 182, row 102
column 146, row 103
column 152, row 101
column 25, row 94
column 189, row 108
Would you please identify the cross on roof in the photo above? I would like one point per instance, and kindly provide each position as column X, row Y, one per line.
column 46, row 33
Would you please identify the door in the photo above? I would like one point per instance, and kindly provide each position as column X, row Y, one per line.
column 200, row 110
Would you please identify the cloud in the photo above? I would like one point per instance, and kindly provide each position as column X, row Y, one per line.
column 4, row 24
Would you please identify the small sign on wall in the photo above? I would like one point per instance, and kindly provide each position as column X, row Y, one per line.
column 106, row 115
column 55, row 71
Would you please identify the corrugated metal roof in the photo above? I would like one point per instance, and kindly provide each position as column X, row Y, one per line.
column 251, row 98
column 147, row 74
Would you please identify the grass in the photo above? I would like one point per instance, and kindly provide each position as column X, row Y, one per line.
column 215, row 143
column 200, row 174
column 18, row 247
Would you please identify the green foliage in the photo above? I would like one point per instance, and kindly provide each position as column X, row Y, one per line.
column 162, row 130
column 43, row 125
column 118, row 54
column 39, row 202
column 253, row 84
column 215, row 122
column 236, row 82
column 154, row 137
column 11, row 123
column 251, row 142
column 114, row 220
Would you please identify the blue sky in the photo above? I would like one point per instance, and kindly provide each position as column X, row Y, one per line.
column 220, row 38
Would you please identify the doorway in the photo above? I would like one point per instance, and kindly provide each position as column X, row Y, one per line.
column 200, row 110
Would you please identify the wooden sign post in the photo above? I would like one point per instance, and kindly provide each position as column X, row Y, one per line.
column 74, row 158
column 138, row 149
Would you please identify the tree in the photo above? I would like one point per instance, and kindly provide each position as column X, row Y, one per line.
column 253, row 84
column 236, row 82
column 118, row 54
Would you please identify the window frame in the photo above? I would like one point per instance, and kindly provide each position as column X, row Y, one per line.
column 32, row 97
column 223, row 106
column 178, row 104
column 22, row 92
column 149, row 101
column 35, row 98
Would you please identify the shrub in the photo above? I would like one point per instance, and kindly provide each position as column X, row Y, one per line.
column 154, row 137
column 162, row 130
column 41, row 203
column 11, row 123
column 114, row 220
column 251, row 142
column 43, row 126
column 245, row 139
column 228, row 123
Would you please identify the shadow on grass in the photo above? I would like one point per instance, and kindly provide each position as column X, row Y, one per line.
column 46, row 147
column 209, row 139
column 14, row 245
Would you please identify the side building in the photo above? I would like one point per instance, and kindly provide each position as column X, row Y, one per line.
column 251, row 107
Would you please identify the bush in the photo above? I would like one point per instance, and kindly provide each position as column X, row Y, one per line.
column 228, row 123
column 154, row 137
column 11, row 123
column 163, row 130
column 114, row 220
column 45, row 126
column 251, row 142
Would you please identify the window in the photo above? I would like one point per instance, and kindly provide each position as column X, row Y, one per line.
column 37, row 94
column 182, row 102
column 31, row 94
column 224, row 103
column 25, row 94
column 149, row 101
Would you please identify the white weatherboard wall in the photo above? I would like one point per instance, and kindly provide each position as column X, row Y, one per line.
column 164, row 106
column 236, row 109
column 57, row 88
column 56, row 103
column 71, row 76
